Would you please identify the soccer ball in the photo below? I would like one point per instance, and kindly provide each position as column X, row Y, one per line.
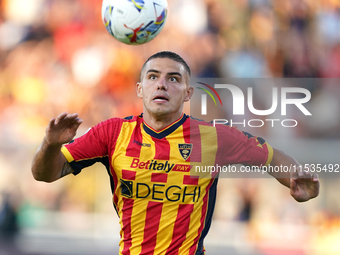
column 134, row 21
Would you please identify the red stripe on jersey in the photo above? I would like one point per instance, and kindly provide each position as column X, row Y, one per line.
column 221, row 131
column 116, row 132
column 181, row 228
column 159, row 177
column 162, row 147
column 135, row 144
column 115, row 181
column 195, row 140
column 204, row 214
column 128, row 175
column 190, row 180
column 126, row 220
column 186, row 134
column 152, row 219
column 186, row 131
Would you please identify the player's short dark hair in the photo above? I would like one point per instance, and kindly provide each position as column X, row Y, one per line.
column 170, row 55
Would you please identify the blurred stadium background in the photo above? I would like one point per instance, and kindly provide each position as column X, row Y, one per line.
column 56, row 56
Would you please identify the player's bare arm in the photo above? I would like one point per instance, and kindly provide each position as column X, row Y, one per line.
column 303, row 184
column 49, row 164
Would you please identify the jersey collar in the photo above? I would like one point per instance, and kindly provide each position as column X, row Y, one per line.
column 165, row 131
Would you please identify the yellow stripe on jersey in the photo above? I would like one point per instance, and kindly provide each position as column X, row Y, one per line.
column 195, row 218
column 208, row 145
column 170, row 210
column 120, row 151
column 140, row 205
column 138, row 225
column 270, row 154
column 67, row 154
column 165, row 230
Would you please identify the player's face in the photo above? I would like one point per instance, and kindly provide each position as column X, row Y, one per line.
column 164, row 88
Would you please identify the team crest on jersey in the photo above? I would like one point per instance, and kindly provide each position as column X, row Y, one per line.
column 185, row 150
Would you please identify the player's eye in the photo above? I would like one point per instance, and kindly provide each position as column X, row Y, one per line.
column 173, row 79
column 152, row 77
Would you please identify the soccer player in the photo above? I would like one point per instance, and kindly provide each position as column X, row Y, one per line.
column 164, row 206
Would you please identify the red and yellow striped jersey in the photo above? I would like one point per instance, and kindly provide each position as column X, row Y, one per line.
column 164, row 206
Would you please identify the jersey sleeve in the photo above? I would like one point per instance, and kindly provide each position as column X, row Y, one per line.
column 94, row 146
column 243, row 148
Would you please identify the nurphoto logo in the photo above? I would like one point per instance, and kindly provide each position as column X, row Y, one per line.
column 240, row 100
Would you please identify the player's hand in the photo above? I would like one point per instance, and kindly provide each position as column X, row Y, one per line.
column 62, row 129
column 304, row 185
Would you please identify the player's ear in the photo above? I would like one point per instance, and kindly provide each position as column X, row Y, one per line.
column 139, row 90
column 189, row 93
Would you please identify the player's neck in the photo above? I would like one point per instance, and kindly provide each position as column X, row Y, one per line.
column 160, row 122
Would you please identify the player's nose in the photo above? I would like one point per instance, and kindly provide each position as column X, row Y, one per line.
column 161, row 84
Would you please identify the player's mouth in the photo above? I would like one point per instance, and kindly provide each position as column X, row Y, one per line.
column 160, row 99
